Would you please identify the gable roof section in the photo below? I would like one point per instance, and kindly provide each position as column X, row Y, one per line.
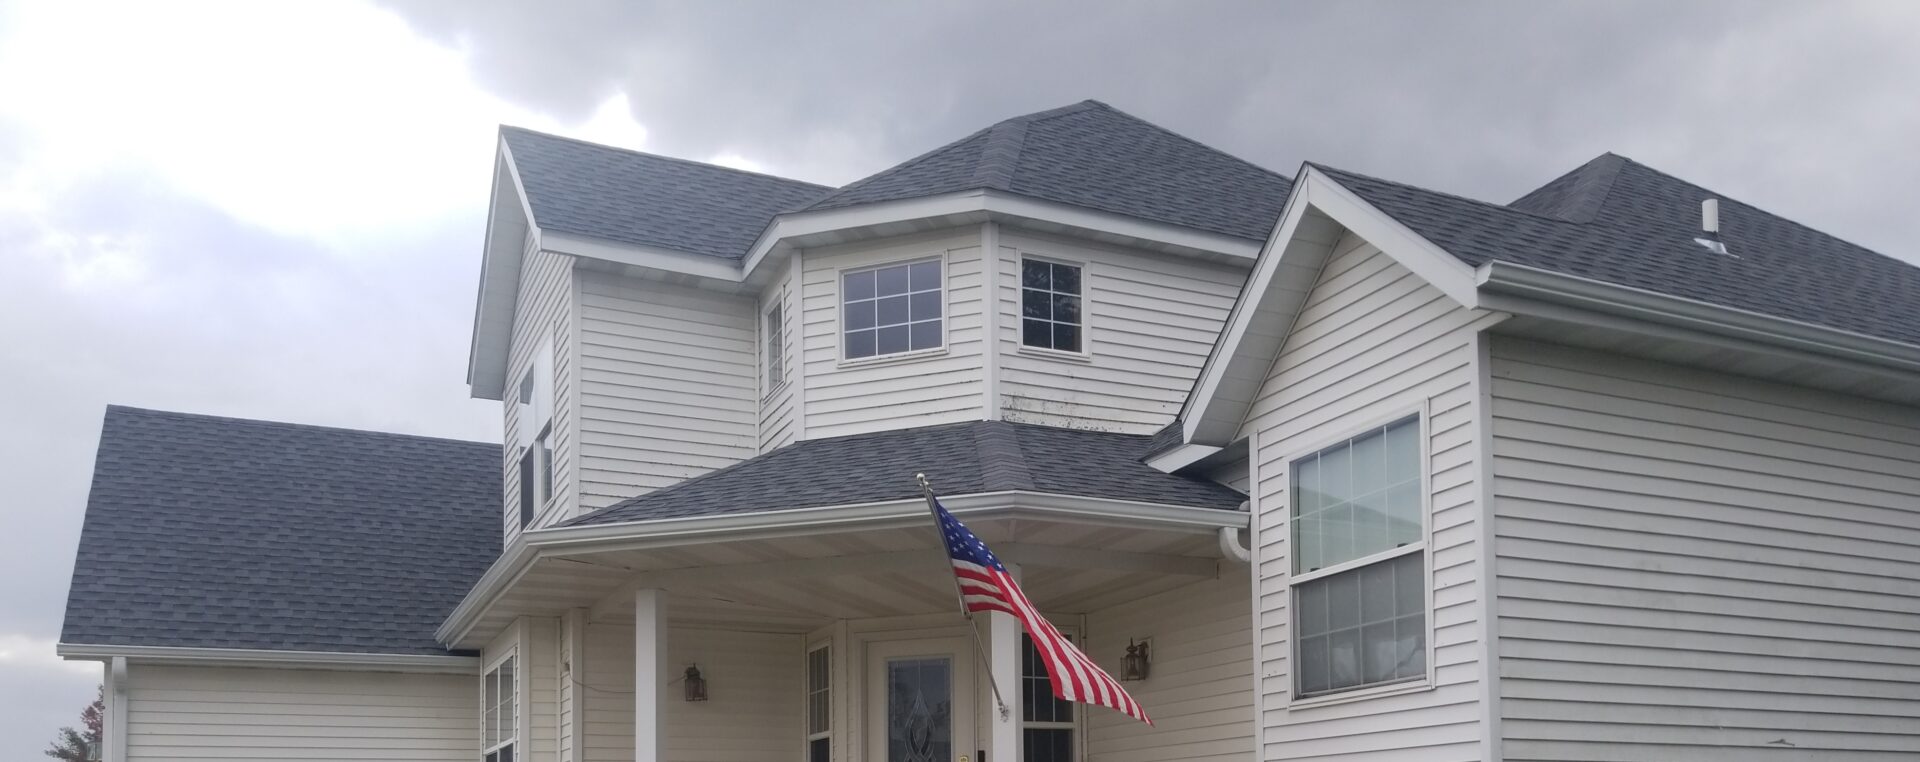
column 960, row 459
column 208, row 532
column 1621, row 222
column 1090, row 155
column 639, row 198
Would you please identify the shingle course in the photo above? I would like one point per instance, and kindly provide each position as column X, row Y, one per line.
column 210, row 532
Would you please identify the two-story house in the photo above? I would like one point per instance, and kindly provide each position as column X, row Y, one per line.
column 1621, row 470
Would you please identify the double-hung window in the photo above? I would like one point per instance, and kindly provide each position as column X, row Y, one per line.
column 500, row 719
column 535, row 426
column 1046, row 723
column 1050, row 302
column 1359, row 562
column 892, row 309
column 775, row 345
column 820, row 704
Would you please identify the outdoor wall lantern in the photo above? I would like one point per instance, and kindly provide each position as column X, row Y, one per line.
column 1136, row 665
column 696, row 685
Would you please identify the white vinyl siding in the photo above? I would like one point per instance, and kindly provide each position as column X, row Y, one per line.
column 543, row 317
column 669, row 384
column 880, row 394
column 1699, row 566
column 1200, row 691
column 1373, row 341
column 232, row 713
column 777, row 419
column 755, row 695
column 1150, row 320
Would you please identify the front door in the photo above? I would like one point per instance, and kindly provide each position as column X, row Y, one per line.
column 919, row 700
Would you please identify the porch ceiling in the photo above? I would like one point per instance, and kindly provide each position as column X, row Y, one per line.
column 800, row 583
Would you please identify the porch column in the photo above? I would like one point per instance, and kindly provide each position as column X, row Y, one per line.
column 651, row 671
column 1002, row 742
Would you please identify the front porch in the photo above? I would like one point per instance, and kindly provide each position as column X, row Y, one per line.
column 843, row 642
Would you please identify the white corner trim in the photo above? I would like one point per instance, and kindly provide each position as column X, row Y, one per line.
column 990, row 359
column 117, row 700
column 1486, row 562
column 250, row 657
column 1499, row 281
column 796, row 335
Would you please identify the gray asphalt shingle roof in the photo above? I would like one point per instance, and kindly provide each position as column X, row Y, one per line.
column 1618, row 221
column 1091, row 155
column 647, row 200
column 210, row 532
column 961, row 458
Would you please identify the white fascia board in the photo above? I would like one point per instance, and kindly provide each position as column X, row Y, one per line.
column 250, row 657
column 1498, row 280
column 650, row 257
column 1180, row 457
column 533, row 545
column 1314, row 190
column 500, row 264
column 1006, row 207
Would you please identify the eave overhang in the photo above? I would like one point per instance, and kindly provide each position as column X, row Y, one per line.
column 532, row 546
column 254, row 657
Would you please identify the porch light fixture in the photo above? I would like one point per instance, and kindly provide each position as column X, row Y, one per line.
column 696, row 685
column 1136, row 664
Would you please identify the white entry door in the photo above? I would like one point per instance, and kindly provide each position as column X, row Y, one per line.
column 919, row 700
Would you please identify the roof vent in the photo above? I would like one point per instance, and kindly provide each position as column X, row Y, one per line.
column 1710, row 227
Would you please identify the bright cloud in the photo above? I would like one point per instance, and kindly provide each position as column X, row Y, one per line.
column 324, row 120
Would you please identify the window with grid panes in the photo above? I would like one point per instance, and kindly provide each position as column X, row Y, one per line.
column 819, row 705
column 1046, row 723
column 891, row 310
column 500, row 719
column 1050, row 302
column 1359, row 562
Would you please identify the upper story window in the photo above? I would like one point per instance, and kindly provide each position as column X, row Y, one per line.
column 891, row 309
column 1359, row 562
column 775, row 343
column 1050, row 300
column 500, row 705
column 534, row 424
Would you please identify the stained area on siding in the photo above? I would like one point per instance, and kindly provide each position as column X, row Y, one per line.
column 1372, row 342
column 1699, row 566
column 1149, row 322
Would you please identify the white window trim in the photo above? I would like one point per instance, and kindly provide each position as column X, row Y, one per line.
column 1019, row 310
column 512, row 654
column 806, row 698
column 776, row 353
column 1422, row 411
column 840, row 314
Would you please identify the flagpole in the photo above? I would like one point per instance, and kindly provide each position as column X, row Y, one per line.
column 960, row 596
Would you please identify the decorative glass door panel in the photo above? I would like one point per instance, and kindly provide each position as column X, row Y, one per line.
column 920, row 710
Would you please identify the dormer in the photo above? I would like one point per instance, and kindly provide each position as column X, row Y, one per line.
column 1068, row 268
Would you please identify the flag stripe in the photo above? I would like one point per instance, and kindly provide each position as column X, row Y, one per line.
column 985, row 585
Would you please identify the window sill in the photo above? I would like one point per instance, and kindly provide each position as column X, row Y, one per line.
column 1420, row 685
column 895, row 358
column 1054, row 354
column 773, row 392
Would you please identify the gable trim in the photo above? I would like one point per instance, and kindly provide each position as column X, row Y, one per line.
column 1284, row 276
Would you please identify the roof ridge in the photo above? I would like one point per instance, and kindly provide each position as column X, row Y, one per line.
column 998, row 444
column 1001, row 155
column 833, row 193
column 1454, row 196
column 1191, row 141
column 1588, row 201
column 177, row 415
column 662, row 157
column 1060, row 111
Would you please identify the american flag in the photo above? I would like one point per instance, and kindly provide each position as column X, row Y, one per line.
column 985, row 585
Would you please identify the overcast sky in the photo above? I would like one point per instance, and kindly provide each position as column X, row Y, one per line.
column 275, row 210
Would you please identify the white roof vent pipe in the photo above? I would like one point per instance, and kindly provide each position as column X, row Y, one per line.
column 1710, row 227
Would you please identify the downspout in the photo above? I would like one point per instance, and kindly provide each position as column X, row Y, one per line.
column 1230, row 546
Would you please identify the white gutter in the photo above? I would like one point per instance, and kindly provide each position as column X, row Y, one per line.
column 249, row 657
column 1498, row 279
column 531, row 546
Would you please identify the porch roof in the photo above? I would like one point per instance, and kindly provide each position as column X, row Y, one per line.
column 963, row 458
